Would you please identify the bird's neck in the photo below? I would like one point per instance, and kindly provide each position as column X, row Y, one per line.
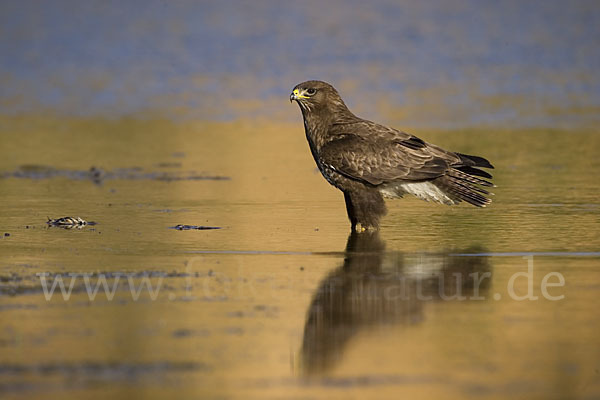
column 318, row 125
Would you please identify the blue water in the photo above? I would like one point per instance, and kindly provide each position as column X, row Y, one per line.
column 116, row 58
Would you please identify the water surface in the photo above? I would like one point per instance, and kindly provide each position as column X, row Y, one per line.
column 281, row 302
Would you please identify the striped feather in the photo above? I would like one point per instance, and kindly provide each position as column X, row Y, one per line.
column 464, row 187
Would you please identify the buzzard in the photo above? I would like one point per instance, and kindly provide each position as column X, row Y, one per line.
column 368, row 161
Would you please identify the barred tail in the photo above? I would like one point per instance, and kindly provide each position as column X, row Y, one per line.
column 464, row 182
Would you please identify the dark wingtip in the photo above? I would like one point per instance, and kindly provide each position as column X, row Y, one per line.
column 475, row 161
column 474, row 171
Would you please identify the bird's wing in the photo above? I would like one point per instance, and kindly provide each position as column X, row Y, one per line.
column 385, row 156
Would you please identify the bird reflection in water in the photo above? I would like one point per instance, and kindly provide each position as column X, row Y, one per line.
column 374, row 288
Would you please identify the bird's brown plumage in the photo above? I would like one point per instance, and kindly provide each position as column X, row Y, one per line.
column 368, row 161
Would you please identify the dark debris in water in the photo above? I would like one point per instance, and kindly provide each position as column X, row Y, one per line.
column 4, row 307
column 98, row 175
column 101, row 370
column 168, row 165
column 192, row 227
column 14, row 284
column 183, row 333
column 69, row 222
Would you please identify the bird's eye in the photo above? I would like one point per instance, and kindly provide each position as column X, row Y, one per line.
column 311, row 91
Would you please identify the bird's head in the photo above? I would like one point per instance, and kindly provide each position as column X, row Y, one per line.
column 317, row 96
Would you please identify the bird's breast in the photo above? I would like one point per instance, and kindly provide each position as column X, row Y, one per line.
column 315, row 142
column 331, row 175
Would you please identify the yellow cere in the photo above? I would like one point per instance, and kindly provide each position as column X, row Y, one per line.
column 296, row 93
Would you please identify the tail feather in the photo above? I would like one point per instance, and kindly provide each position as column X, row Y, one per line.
column 462, row 186
column 462, row 181
column 459, row 174
column 467, row 192
column 479, row 189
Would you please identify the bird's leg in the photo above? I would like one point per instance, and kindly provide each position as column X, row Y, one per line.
column 365, row 207
column 350, row 210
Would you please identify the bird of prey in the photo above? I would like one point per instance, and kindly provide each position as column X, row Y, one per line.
column 368, row 161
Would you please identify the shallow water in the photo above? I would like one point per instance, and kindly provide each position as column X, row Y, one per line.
column 280, row 302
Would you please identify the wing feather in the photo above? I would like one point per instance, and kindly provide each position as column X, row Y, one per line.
column 384, row 156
